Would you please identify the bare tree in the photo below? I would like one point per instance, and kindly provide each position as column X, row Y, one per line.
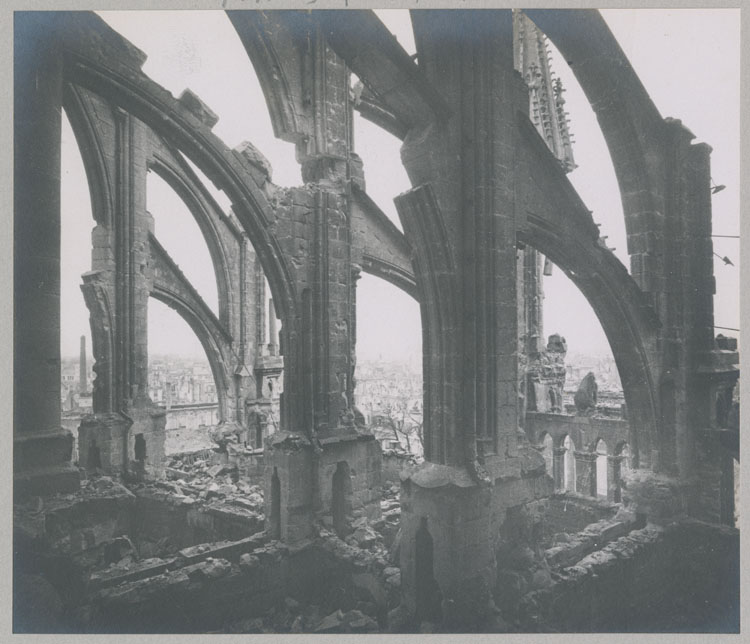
column 405, row 422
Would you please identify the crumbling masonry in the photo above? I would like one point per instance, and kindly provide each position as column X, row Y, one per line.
column 486, row 148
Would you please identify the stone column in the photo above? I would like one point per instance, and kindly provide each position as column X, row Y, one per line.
column 41, row 448
column 586, row 473
column 244, row 334
column 322, row 439
column 461, row 219
column 260, row 308
column 532, row 302
column 117, row 294
column 273, row 335
column 614, row 476
column 558, row 467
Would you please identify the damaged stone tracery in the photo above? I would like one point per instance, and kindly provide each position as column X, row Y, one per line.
column 312, row 538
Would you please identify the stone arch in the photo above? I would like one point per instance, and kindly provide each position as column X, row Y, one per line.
column 174, row 121
column 270, row 65
column 217, row 361
column 620, row 447
column 95, row 58
column 395, row 275
column 626, row 318
column 632, row 126
column 190, row 191
column 78, row 105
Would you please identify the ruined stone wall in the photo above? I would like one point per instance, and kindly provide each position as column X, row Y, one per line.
column 364, row 464
column 570, row 514
column 159, row 516
column 192, row 417
column 584, row 431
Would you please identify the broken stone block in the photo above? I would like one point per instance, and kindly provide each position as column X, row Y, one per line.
column 210, row 569
column 198, row 108
column 541, row 579
column 394, row 580
column 226, row 490
column 243, row 503
column 255, row 157
column 331, row 623
column 216, row 470
column 365, row 537
column 358, row 622
column 243, row 487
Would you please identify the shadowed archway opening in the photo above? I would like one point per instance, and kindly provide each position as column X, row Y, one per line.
column 428, row 594
column 275, row 518
column 341, row 498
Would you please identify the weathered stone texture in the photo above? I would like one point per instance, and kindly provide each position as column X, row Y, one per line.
column 646, row 581
column 488, row 194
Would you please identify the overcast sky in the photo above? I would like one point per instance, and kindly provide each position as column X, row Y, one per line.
column 687, row 59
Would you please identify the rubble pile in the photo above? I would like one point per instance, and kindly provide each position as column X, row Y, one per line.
column 200, row 480
column 388, row 525
column 139, row 555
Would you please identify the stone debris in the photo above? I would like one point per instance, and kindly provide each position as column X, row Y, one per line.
column 331, row 623
column 213, row 569
column 194, row 481
column 353, row 621
column 249, row 562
